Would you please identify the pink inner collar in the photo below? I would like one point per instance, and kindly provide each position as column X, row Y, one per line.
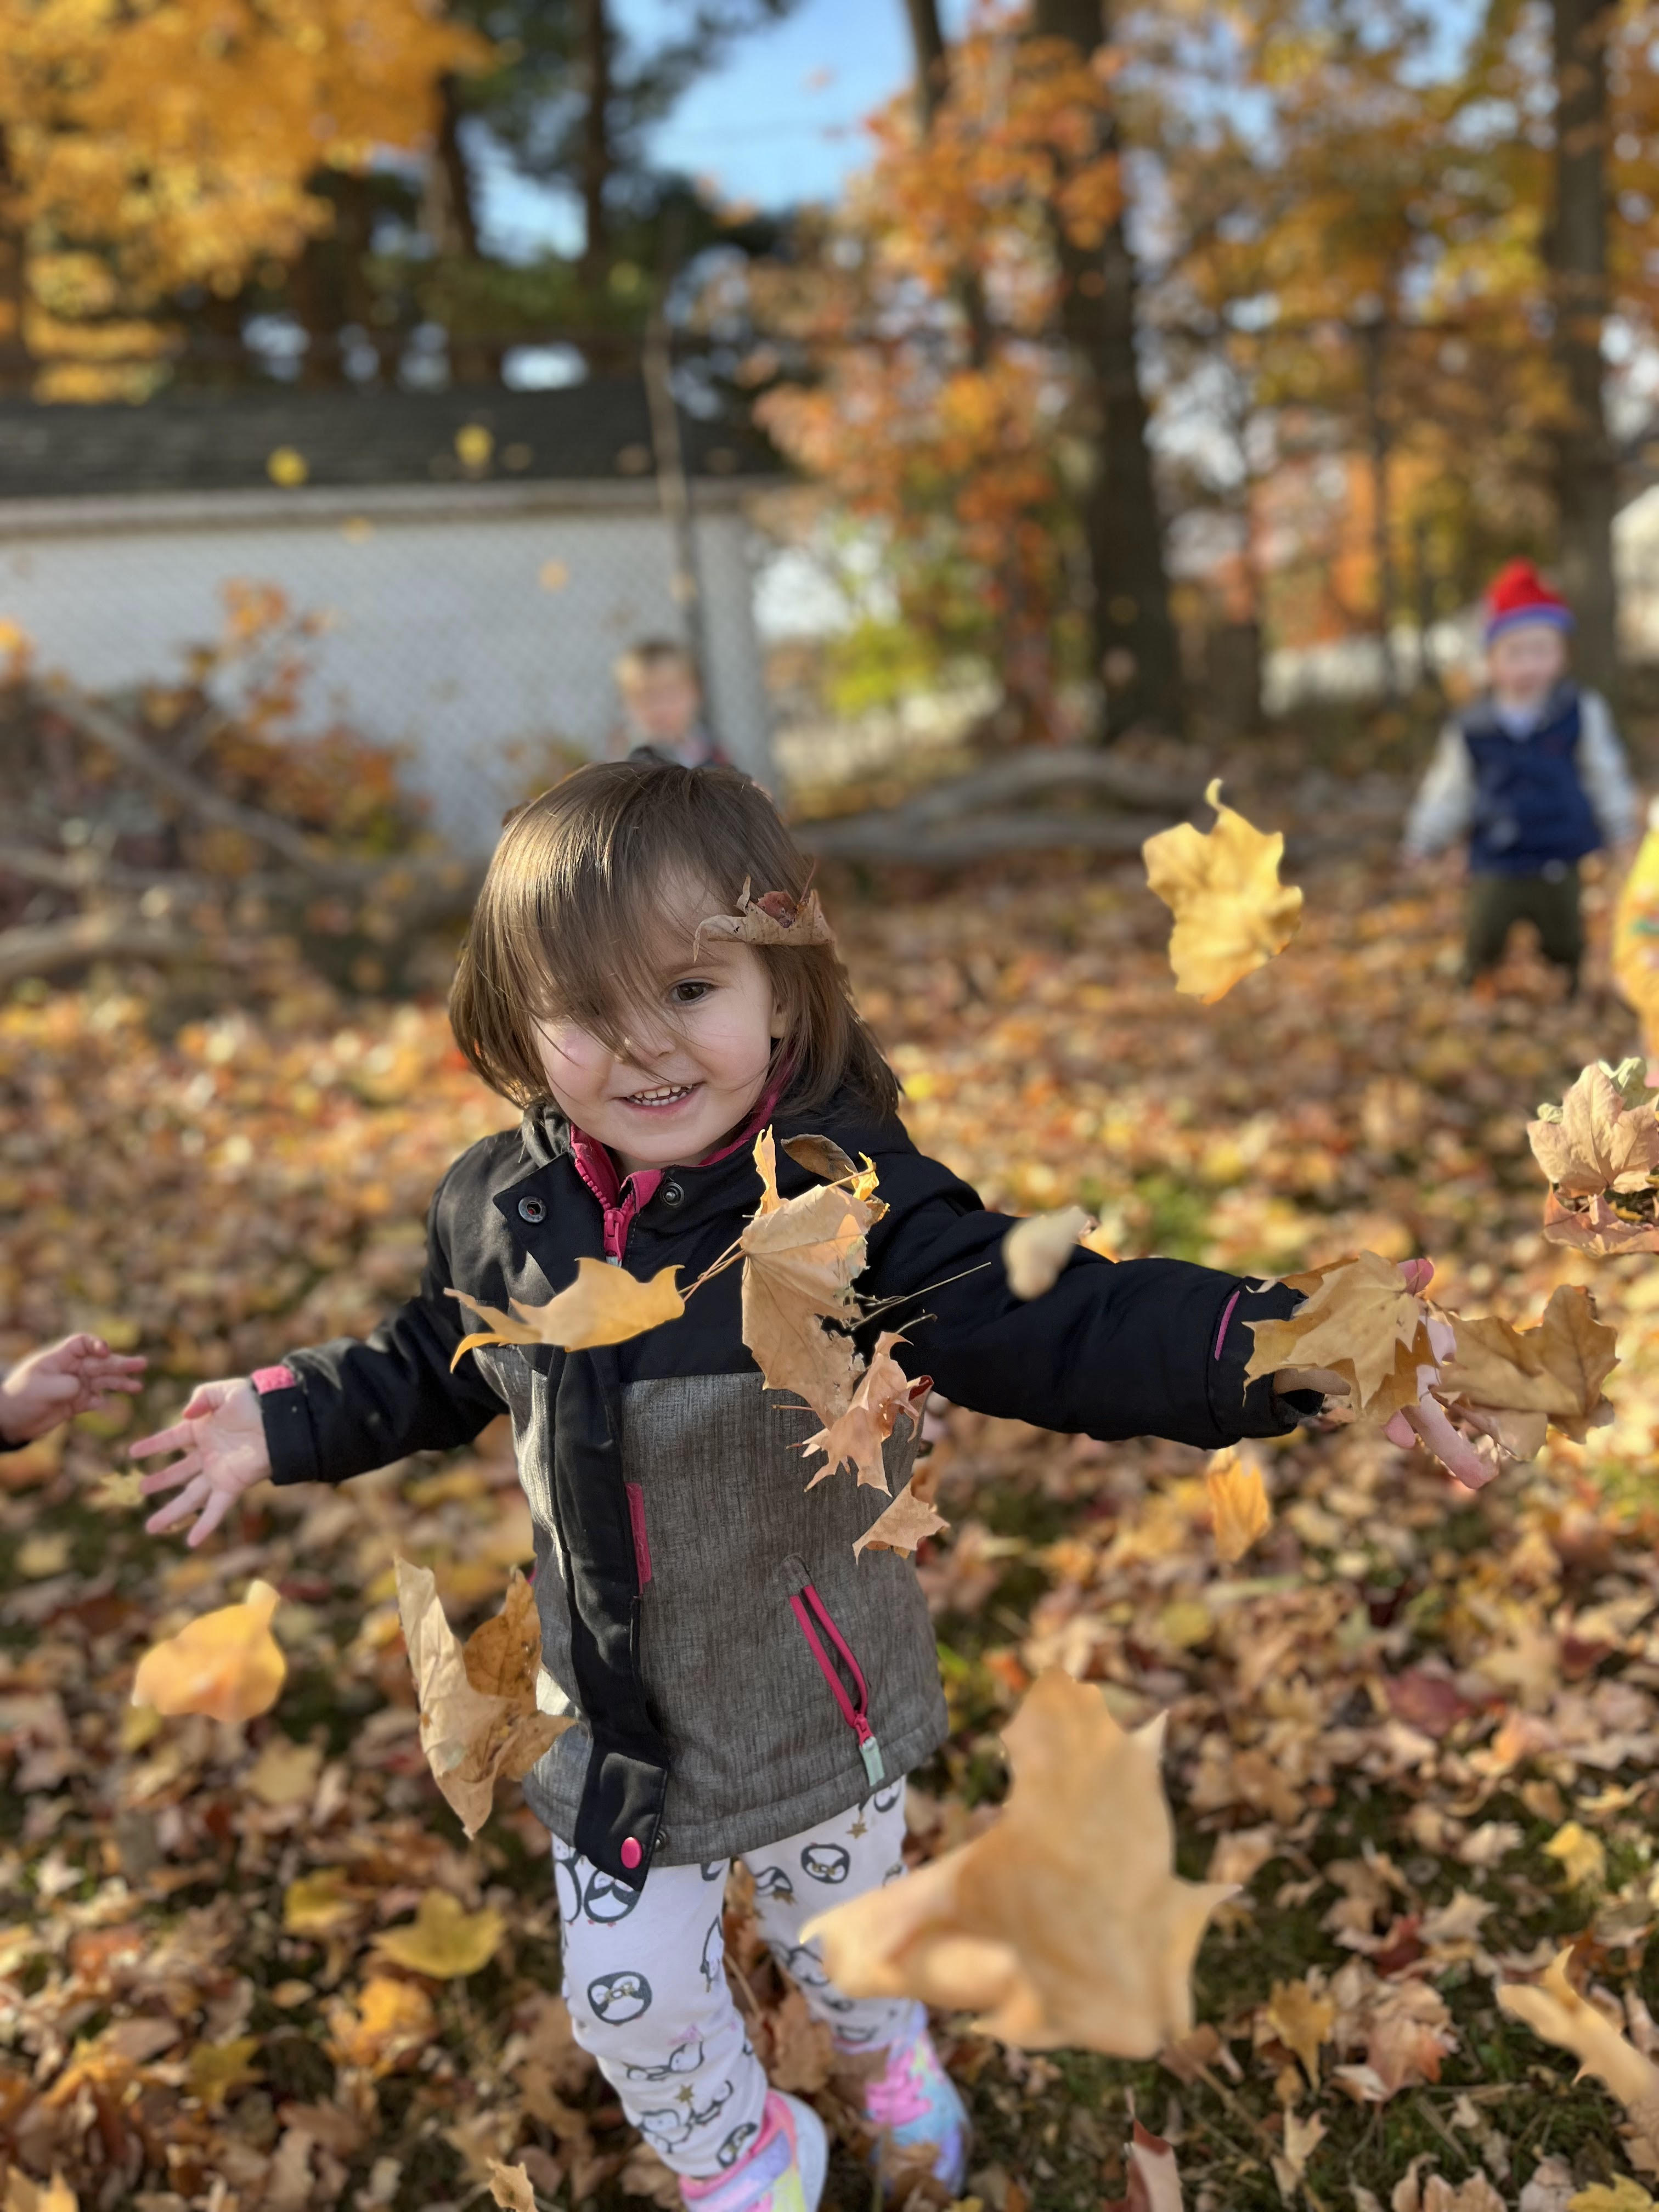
column 622, row 1198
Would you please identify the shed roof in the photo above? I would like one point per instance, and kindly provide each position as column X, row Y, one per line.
column 596, row 431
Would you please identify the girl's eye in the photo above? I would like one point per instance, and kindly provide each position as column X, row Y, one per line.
column 688, row 995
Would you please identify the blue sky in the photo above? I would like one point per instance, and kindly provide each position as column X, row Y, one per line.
column 777, row 124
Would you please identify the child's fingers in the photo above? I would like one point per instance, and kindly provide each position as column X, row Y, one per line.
column 213, row 1513
column 168, row 1478
column 181, row 1436
column 189, row 1502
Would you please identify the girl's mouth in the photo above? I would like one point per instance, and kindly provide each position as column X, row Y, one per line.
column 661, row 1096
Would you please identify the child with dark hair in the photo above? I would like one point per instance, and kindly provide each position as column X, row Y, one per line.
column 741, row 1685
column 662, row 703
column 1533, row 775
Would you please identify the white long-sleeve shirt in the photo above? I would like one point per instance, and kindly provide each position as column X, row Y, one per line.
column 1443, row 809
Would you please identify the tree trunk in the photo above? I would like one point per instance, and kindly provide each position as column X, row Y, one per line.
column 1586, row 472
column 16, row 369
column 451, row 219
column 1135, row 647
column 928, row 41
column 596, row 44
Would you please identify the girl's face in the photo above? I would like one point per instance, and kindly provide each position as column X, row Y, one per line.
column 692, row 1069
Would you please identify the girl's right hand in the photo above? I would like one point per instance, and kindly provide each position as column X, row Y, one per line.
column 221, row 1440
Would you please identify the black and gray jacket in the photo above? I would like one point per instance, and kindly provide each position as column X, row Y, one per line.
column 736, row 1673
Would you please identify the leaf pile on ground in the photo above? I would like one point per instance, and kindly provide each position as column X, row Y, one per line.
column 254, row 1962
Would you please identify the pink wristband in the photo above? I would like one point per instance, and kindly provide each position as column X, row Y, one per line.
column 274, row 1378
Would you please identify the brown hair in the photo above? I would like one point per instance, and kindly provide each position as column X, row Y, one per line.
column 648, row 652
column 580, row 891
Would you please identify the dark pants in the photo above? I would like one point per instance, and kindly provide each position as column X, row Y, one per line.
column 1550, row 902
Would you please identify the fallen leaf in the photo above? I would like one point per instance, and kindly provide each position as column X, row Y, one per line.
column 1301, row 2138
column 1583, row 1856
column 774, row 918
column 1064, row 1922
column 44, row 1554
column 320, row 1904
column 1239, row 1511
column 1625, row 2196
column 885, row 1395
column 227, row 1665
column 284, row 1773
column 604, row 1305
column 444, row 1939
column 23, row 2195
column 1231, row 913
column 392, row 2021
column 1359, row 1319
column 1302, row 2019
column 644, row 2175
column 509, row 2185
column 472, row 1730
column 802, row 2054
column 1553, row 2009
column 800, row 1258
column 912, row 1516
column 1154, row 2183
column 1603, row 1136
column 1035, row 1250
column 214, row 2070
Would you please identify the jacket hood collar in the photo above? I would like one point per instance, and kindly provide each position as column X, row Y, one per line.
column 1481, row 720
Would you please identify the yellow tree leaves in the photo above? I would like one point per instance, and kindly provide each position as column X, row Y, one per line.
column 1239, row 1511
column 1231, row 913
column 478, row 1714
column 1064, row 1923
column 227, row 1665
column 154, row 147
column 1553, row 2008
column 604, row 1305
column 1358, row 1319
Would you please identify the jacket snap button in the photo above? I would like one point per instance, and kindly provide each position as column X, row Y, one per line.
column 672, row 1193
column 631, row 1854
column 532, row 1209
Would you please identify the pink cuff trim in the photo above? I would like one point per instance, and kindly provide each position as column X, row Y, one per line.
column 1226, row 1315
column 274, row 1378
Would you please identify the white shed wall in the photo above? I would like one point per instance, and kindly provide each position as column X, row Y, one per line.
column 443, row 637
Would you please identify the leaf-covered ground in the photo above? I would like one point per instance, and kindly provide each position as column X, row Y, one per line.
column 1381, row 1720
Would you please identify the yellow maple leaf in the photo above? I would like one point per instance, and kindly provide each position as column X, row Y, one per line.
column 1360, row 1320
column 885, row 1395
column 604, row 1305
column 1239, row 1511
column 912, row 1516
column 1231, row 913
column 227, row 1665
column 479, row 1717
column 1553, row 2008
column 392, row 2021
column 1583, row 1856
column 800, row 1256
column 1302, row 2019
column 1556, row 1369
column 1065, row 1922
column 320, row 1904
column 444, row 1940
column 214, row 2070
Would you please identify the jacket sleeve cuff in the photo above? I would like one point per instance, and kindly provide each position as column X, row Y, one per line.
column 1256, row 1408
column 290, row 1441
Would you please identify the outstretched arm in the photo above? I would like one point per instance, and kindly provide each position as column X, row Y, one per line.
column 54, row 1384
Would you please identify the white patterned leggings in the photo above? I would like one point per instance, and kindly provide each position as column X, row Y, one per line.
column 645, row 1976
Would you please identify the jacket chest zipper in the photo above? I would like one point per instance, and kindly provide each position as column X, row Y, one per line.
column 810, row 1611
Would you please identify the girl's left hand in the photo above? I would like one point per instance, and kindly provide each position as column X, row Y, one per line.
column 1428, row 1422
column 59, row 1381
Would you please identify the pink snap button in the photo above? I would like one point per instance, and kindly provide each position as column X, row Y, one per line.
column 631, row 1853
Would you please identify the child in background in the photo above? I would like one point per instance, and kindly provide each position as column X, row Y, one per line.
column 58, row 1382
column 1533, row 775
column 662, row 704
column 741, row 1684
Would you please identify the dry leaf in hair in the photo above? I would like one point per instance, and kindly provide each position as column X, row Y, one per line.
column 228, row 1665
column 1065, row 1922
column 604, row 1305
column 1231, row 913
column 885, row 1395
column 478, row 1713
column 774, row 918
column 1553, row 2008
column 800, row 1257
column 1358, row 1319
column 1035, row 1250
column 1239, row 1511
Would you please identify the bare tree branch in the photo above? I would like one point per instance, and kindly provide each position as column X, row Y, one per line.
column 109, row 932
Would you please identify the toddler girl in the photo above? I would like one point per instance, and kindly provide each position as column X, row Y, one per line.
column 742, row 1685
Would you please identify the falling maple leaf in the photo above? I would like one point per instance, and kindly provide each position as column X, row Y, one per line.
column 1360, row 1319
column 1239, row 1511
column 1556, row 1369
column 1553, row 2009
column 1035, row 1250
column 444, row 1940
column 227, row 1665
column 885, row 1395
column 800, row 1257
column 774, row 918
column 510, row 2187
column 1064, row 1923
column 480, row 1718
column 604, row 1305
column 912, row 1516
column 1231, row 913
column 1603, row 1136
column 1154, row 2181
column 23, row 2195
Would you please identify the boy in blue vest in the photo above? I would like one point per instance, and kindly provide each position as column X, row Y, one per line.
column 1533, row 775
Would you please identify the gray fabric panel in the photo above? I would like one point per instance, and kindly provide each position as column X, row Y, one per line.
column 760, row 1748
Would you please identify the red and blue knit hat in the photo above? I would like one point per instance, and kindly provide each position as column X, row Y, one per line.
column 1517, row 594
